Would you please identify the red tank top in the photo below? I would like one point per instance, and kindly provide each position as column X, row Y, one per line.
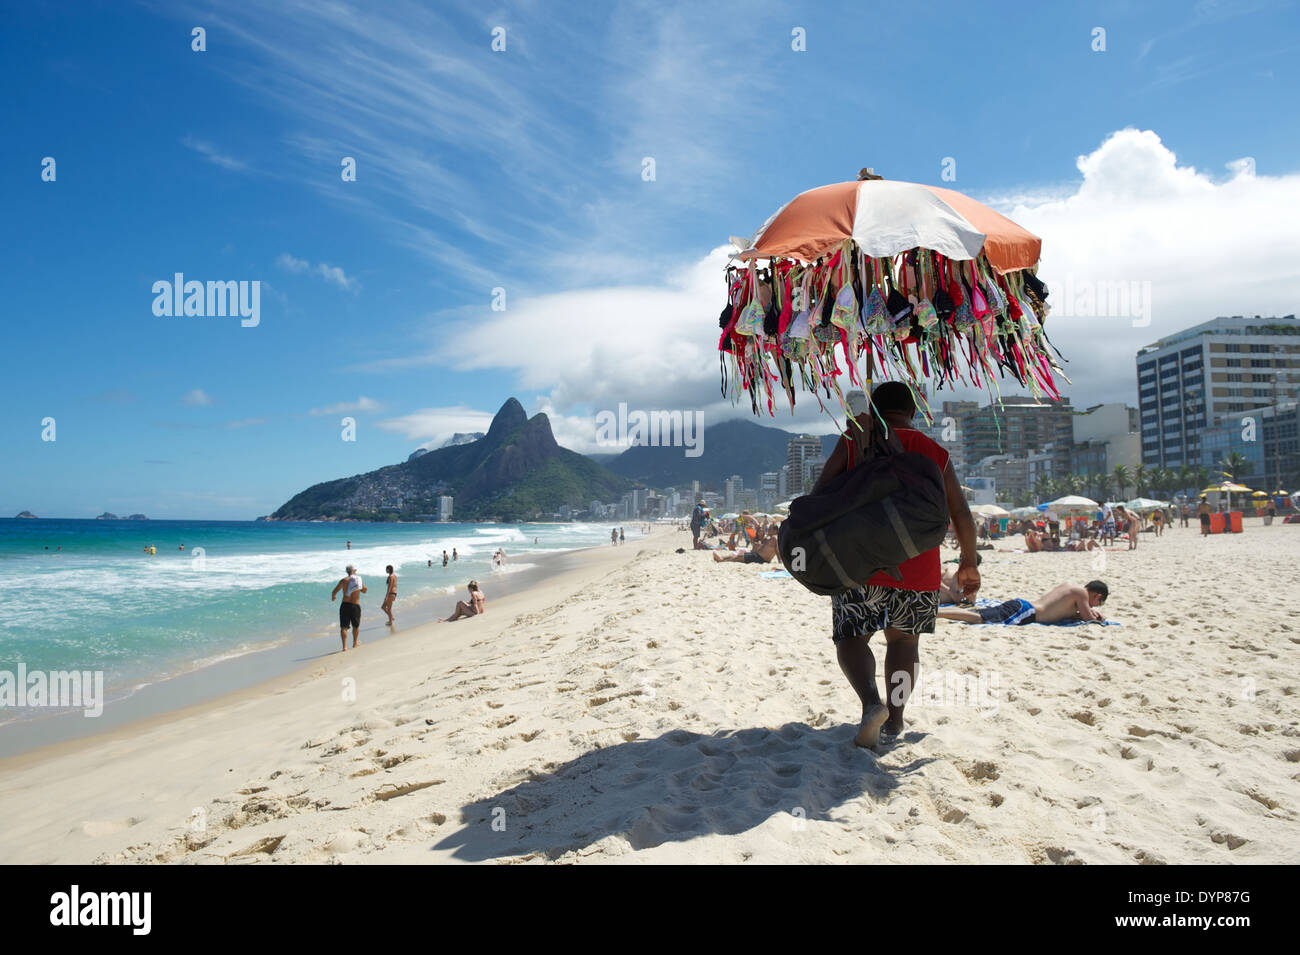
column 922, row 572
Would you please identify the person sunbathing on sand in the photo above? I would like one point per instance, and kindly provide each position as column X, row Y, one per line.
column 761, row 552
column 1065, row 602
column 477, row 604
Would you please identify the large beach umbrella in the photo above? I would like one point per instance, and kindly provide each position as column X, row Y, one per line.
column 886, row 218
column 989, row 510
column 911, row 281
column 1226, row 487
column 1023, row 512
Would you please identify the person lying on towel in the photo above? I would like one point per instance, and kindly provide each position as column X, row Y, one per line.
column 762, row 551
column 1065, row 602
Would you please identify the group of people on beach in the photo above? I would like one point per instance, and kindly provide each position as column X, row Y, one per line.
column 353, row 587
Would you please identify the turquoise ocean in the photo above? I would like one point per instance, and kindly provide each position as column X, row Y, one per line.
column 85, row 594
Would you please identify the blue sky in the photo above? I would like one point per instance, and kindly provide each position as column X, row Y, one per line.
column 522, row 169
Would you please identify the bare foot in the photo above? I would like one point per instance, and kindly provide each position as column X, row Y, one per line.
column 869, row 733
column 892, row 729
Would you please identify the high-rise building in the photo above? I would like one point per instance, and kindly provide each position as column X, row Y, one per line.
column 1198, row 378
column 731, row 489
column 812, row 470
column 806, row 447
column 444, row 508
column 1016, row 426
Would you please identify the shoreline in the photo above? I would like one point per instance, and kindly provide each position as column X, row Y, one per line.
column 262, row 662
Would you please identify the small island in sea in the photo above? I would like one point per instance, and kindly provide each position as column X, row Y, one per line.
column 108, row 516
column 26, row 515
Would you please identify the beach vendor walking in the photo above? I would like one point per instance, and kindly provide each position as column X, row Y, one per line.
column 906, row 609
column 350, row 609
column 697, row 520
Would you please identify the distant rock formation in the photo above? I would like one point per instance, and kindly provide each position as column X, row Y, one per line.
column 107, row 516
column 136, row 517
column 515, row 472
column 27, row 516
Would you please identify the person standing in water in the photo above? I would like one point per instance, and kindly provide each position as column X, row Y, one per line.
column 350, row 609
column 391, row 595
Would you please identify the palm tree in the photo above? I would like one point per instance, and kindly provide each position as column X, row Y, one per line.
column 1234, row 465
column 1122, row 479
column 1140, row 479
column 1042, row 488
column 1202, row 474
column 1158, row 481
column 1103, row 486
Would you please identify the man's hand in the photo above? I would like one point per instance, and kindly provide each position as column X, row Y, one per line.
column 968, row 578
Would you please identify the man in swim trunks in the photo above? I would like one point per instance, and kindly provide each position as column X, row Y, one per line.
column 903, row 610
column 761, row 552
column 1203, row 512
column 1107, row 524
column 1186, row 513
column 350, row 609
column 1065, row 602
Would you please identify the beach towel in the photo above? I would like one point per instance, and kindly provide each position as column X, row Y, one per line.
column 776, row 574
column 981, row 602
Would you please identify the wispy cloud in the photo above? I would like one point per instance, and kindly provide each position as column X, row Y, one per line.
column 330, row 273
column 198, row 398
column 349, row 407
column 212, row 155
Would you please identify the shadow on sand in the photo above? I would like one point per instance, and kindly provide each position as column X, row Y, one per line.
column 674, row 788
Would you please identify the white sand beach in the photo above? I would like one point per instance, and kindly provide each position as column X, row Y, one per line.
column 653, row 707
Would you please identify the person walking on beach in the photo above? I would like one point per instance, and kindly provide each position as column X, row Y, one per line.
column 387, row 605
column 906, row 609
column 613, row 536
column 697, row 520
column 350, row 609
column 1186, row 513
column 1203, row 512
column 621, row 538
column 477, row 604
column 1158, row 520
column 1107, row 525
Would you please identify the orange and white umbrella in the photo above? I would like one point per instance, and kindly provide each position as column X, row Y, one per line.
column 886, row 218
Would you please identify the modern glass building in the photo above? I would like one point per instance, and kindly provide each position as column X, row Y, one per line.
column 1202, row 376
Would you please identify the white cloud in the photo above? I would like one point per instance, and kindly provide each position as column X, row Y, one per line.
column 349, row 407
column 212, row 155
column 330, row 273
column 433, row 426
column 1208, row 245
column 198, row 398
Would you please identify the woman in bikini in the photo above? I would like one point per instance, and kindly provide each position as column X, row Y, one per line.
column 387, row 605
column 477, row 604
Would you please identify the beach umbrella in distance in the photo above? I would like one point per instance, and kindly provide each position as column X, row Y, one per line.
column 1023, row 512
column 1145, row 504
column 989, row 510
column 783, row 506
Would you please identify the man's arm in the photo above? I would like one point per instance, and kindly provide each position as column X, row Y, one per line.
column 968, row 576
column 1081, row 608
column 835, row 465
column 335, row 592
